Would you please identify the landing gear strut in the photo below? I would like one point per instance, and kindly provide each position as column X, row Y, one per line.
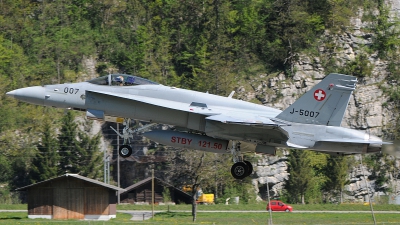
column 241, row 168
column 125, row 150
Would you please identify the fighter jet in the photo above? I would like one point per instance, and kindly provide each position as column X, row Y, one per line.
column 214, row 123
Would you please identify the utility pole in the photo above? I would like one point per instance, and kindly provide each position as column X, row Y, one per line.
column 105, row 166
column 152, row 193
column 369, row 196
column 108, row 168
column 269, row 204
column 118, row 161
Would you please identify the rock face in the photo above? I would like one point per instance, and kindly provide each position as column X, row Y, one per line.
column 89, row 63
column 368, row 108
column 271, row 170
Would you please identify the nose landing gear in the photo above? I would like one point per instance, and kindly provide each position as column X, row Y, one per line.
column 125, row 150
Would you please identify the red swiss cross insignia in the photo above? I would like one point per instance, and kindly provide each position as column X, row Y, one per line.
column 319, row 95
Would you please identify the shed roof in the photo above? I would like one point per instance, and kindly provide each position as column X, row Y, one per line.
column 142, row 182
column 75, row 176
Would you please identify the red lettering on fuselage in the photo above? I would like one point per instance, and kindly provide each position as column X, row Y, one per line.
column 181, row 140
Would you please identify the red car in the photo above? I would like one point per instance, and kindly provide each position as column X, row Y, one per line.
column 277, row 205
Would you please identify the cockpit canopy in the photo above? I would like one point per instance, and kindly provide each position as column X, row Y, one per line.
column 121, row 80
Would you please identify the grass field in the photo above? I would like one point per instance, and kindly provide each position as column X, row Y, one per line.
column 176, row 216
column 246, row 207
column 261, row 207
column 170, row 218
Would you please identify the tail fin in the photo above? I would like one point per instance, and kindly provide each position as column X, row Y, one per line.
column 324, row 104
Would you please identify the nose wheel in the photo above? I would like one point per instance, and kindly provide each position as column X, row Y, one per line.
column 127, row 134
column 125, row 151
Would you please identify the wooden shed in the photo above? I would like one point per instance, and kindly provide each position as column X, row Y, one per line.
column 141, row 193
column 72, row 196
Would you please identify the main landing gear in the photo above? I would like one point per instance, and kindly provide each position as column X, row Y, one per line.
column 125, row 150
column 241, row 168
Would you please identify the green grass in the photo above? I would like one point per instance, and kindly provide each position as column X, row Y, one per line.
column 259, row 206
column 220, row 218
column 278, row 218
column 14, row 206
column 22, row 218
column 248, row 207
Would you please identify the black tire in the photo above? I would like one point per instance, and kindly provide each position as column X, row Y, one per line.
column 125, row 151
column 239, row 170
column 250, row 171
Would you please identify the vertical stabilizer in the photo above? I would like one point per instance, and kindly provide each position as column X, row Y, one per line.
column 324, row 104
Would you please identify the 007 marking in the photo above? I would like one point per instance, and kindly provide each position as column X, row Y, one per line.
column 68, row 90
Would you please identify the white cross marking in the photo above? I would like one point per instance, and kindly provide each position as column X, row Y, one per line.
column 319, row 95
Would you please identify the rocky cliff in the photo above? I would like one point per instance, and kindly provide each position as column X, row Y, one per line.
column 369, row 108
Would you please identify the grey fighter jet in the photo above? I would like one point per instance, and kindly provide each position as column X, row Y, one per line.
column 214, row 123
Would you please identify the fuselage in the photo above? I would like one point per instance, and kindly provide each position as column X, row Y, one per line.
column 188, row 109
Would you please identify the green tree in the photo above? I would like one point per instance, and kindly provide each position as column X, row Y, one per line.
column 45, row 164
column 301, row 175
column 79, row 153
column 90, row 162
column 387, row 32
column 69, row 152
column 5, row 169
column 337, row 173
column 188, row 167
column 359, row 67
column 380, row 166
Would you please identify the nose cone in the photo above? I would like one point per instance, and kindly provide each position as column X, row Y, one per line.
column 34, row 95
column 11, row 93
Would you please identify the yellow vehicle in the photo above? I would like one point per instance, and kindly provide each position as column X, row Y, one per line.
column 206, row 199
column 201, row 197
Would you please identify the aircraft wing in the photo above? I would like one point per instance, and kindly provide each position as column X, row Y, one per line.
column 249, row 126
column 175, row 105
column 226, row 126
